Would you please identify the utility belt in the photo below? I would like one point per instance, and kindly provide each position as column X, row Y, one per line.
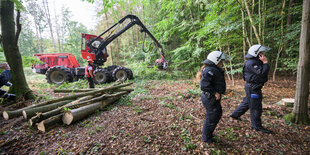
column 210, row 97
column 255, row 86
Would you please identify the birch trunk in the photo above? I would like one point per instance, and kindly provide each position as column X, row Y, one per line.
column 252, row 22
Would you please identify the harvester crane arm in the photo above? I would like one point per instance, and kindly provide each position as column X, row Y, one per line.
column 133, row 21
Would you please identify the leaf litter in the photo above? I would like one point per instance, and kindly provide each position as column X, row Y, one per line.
column 166, row 119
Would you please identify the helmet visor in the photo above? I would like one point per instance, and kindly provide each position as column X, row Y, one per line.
column 263, row 49
column 225, row 57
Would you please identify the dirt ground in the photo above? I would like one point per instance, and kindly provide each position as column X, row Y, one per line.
column 165, row 117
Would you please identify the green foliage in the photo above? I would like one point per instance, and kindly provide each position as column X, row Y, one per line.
column 2, row 57
column 29, row 61
column 196, row 92
column 229, row 134
column 80, row 84
column 188, row 31
column 187, row 140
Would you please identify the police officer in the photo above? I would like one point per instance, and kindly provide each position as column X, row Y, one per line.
column 213, row 86
column 89, row 72
column 255, row 73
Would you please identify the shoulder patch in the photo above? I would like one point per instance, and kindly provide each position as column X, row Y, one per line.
column 210, row 73
column 255, row 66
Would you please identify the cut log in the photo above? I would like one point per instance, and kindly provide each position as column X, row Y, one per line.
column 100, row 98
column 11, row 114
column 28, row 113
column 54, row 112
column 49, row 123
column 72, row 91
column 87, row 90
column 70, row 97
column 80, row 113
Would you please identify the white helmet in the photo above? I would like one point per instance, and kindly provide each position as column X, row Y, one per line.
column 216, row 57
column 255, row 49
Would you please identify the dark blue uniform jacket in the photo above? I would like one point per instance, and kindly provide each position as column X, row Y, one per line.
column 255, row 72
column 213, row 80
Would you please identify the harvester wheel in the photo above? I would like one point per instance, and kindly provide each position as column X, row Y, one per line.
column 58, row 75
column 111, row 68
column 130, row 74
column 120, row 73
column 101, row 76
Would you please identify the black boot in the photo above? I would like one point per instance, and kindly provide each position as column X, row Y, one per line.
column 9, row 96
column 263, row 130
column 236, row 118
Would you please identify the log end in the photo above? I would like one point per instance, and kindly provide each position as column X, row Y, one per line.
column 5, row 115
column 41, row 126
column 24, row 114
column 67, row 118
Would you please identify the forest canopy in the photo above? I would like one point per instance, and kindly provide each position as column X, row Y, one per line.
column 187, row 29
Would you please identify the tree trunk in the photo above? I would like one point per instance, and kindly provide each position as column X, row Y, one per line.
column 251, row 29
column 243, row 33
column 244, row 29
column 231, row 69
column 251, row 21
column 57, row 32
column 11, row 50
column 38, row 38
column 289, row 15
column 264, row 22
column 281, row 42
column 80, row 113
column 28, row 113
column 48, row 16
column 300, row 111
column 111, row 53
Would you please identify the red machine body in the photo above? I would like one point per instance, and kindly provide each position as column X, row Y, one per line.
column 58, row 59
column 55, row 59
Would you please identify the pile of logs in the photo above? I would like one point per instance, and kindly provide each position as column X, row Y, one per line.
column 71, row 108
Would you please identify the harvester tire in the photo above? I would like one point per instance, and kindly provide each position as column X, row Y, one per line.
column 130, row 74
column 101, row 76
column 111, row 68
column 120, row 73
column 58, row 75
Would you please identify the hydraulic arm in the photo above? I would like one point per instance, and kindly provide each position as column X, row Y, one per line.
column 134, row 20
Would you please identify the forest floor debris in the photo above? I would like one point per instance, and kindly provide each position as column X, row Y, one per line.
column 166, row 117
